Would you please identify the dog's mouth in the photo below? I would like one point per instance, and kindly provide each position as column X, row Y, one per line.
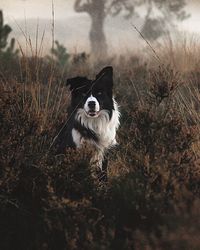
column 92, row 113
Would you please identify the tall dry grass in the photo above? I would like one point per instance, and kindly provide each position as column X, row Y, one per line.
column 151, row 199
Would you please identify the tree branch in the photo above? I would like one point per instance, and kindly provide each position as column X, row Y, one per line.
column 149, row 10
column 82, row 8
column 117, row 6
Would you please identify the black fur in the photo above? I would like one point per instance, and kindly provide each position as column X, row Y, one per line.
column 85, row 132
column 81, row 88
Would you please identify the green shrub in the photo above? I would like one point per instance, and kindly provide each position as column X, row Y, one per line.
column 8, row 53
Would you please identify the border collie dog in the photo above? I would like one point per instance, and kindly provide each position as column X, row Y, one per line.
column 93, row 115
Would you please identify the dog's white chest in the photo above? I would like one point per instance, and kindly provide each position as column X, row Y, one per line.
column 103, row 127
column 106, row 137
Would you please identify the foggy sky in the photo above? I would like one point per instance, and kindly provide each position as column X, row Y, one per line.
column 71, row 28
column 36, row 8
column 63, row 8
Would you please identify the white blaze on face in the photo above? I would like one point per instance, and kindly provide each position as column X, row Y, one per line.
column 88, row 102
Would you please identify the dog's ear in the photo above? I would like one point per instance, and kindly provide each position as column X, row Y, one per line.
column 76, row 82
column 106, row 76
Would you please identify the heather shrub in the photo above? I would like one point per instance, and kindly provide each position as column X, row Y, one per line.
column 50, row 201
column 162, row 175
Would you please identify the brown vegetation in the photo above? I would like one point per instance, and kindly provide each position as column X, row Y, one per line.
column 151, row 199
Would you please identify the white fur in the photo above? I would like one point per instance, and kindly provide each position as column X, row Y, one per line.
column 76, row 138
column 90, row 99
column 103, row 127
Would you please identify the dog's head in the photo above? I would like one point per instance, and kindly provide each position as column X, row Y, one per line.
column 93, row 96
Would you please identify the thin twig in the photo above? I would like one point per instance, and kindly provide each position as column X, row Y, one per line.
column 148, row 43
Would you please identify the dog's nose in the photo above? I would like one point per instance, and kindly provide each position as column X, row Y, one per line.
column 91, row 104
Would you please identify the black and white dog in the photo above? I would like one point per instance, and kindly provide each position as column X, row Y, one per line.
column 93, row 115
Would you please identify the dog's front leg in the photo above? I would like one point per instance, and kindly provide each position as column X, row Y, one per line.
column 97, row 160
column 99, row 166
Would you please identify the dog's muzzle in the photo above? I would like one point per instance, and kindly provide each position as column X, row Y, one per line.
column 92, row 107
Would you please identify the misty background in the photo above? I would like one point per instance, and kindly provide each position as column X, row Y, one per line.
column 72, row 28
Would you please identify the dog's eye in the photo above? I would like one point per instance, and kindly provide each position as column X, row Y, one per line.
column 99, row 93
column 83, row 94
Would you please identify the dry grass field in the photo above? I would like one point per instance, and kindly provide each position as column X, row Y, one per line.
column 151, row 199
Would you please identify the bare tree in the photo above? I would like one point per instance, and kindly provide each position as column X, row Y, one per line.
column 153, row 27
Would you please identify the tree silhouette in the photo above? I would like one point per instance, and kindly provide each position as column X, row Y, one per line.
column 7, row 51
column 153, row 26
